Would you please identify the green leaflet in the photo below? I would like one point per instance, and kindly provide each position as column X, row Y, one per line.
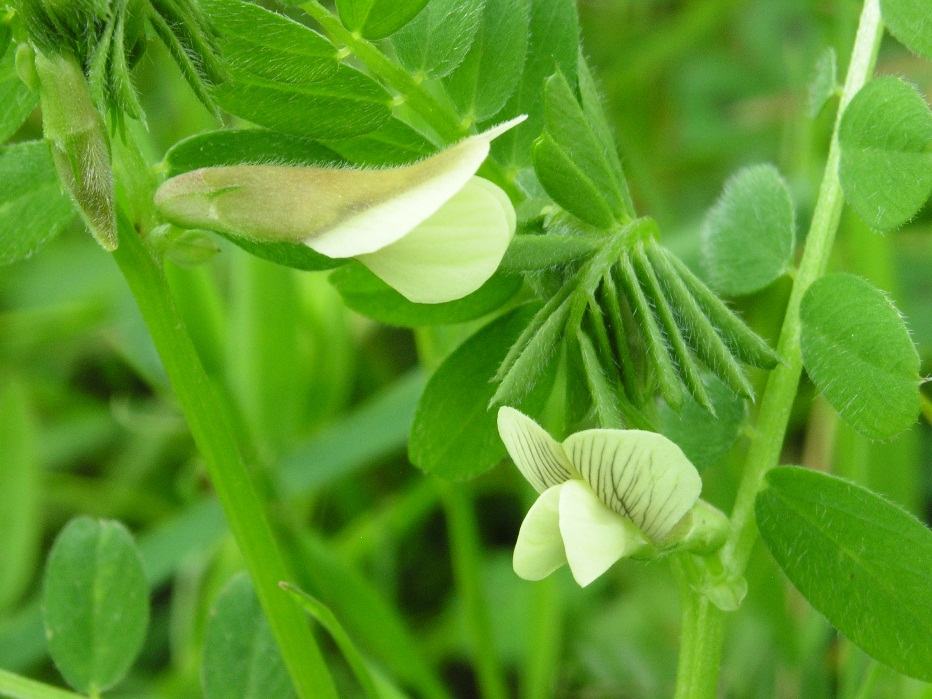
column 237, row 629
column 861, row 561
column 591, row 102
column 367, row 294
column 749, row 234
column 454, row 434
column 33, row 208
column 16, row 100
column 886, row 153
column 569, row 185
column 909, row 22
column 393, row 143
column 489, row 73
column 189, row 37
column 287, row 77
column 575, row 165
column 375, row 19
column 857, row 350
column 437, row 40
column 553, row 46
column 95, row 602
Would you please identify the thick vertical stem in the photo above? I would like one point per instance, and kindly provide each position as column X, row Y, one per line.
column 216, row 442
column 702, row 622
column 701, row 632
column 780, row 392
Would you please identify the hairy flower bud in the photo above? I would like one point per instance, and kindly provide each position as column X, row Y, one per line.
column 78, row 138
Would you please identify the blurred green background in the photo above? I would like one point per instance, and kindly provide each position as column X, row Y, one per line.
column 695, row 89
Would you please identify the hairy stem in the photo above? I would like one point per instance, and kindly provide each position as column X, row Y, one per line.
column 217, row 443
column 440, row 117
column 777, row 401
column 702, row 622
column 701, row 632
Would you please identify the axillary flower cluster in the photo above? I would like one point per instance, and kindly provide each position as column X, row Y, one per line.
column 605, row 495
column 432, row 230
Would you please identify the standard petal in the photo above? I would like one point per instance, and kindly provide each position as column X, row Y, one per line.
column 414, row 194
column 594, row 537
column 641, row 475
column 538, row 456
column 539, row 549
column 452, row 253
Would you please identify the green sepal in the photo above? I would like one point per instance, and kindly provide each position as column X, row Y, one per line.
column 741, row 340
column 656, row 343
column 685, row 364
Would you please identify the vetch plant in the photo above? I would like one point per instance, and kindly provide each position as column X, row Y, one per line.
column 485, row 231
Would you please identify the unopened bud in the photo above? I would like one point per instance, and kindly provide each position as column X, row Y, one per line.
column 80, row 146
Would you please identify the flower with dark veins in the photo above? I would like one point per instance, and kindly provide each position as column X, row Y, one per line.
column 604, row 495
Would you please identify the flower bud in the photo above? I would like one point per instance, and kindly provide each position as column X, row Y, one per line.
column 78, row 138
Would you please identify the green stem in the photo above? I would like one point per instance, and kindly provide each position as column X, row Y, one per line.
column 702, row 622
column 18, row 687
column 777, row 401
column 217, row 442
column 467, row 570
column 441, row 118
column 701, row 632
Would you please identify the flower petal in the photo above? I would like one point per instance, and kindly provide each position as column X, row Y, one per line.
column 641, row 475
column 538, row 456
column 420, row 190
column 594, row 537
column 453, row 252
column 539, row 549
column 339, row 212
